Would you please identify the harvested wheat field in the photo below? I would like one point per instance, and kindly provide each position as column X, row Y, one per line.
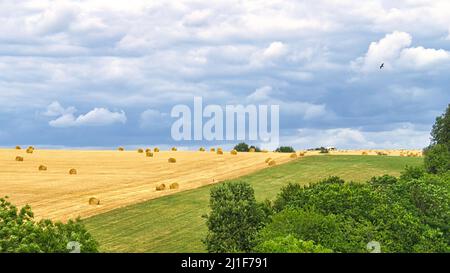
column 117, row 178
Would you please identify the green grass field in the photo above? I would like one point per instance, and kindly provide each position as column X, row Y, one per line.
column 174, row 223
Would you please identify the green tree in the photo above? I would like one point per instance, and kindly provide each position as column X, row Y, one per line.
column 234, row 219
column 285, row 149
column 242, row 147
column 20, row 233
column 437, row 159
column 437, row 155
column 440, row 134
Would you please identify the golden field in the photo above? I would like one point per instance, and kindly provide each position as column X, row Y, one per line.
column 116, row 178
column 121, row 178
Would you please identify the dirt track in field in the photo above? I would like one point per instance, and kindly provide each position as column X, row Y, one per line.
column 116, row 178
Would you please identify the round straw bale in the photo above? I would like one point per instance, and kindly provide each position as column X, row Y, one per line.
column 160, row 187
column 94, row 201
column 156, row 150
column 301, row 154
column 172, row 160
column 252, row 150
column 72, row 171
column 219, row 152
column 174, row 149
column 233, row 152
column 268, row 159
column 121, row 149
column 212, row 149
column 149, row 154
column 18, row 148
column 272, row 163
column 140, row 151
column 42, row 168
column 293, row 155
column 201, row 149
column 174, row 186
column 19, row 158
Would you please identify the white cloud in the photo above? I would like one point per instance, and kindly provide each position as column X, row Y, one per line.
column 262, row 93
column 423, row 57
column 152, row 118
column 306, row 110
column 96, row 117
column 404, row 137
column 55, row 109
column 395, row 52
column 275, row 50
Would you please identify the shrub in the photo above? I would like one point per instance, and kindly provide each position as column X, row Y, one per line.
column 241, row 147
column 285, row 149
column 334, row 232
column 437, row 159
column 22, row 234
column 234, row 219
column 289, row 244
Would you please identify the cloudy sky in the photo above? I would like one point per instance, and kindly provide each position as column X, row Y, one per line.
column 92, row 73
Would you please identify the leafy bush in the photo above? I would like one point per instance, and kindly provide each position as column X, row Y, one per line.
column 440, row 134
column 235, row 218
column 437, row 159
column 242, row 147
column 404, row 214
column 334, row 232
column 285, row 149
column 289, row 244
column 20, row 233
column 437, row 155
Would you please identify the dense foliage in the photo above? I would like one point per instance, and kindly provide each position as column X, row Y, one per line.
column 285, row 149
column 409, row 214
column 235, row 218
column 406, row 214
column 242, row 147
column 290, row 244
column 20, row 233
column 437, row 155
column 440, row 134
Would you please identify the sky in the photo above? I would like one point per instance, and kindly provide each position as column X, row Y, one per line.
column 91, row 73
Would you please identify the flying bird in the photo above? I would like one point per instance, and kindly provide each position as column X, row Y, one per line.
column 382, row 65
